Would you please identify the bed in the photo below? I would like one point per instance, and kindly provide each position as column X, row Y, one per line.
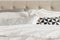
column 17, row 24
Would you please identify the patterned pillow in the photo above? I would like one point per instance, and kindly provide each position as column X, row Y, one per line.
column 49, row 21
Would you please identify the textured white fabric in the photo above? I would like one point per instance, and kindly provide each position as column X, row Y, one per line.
column 13, row 18
column 30, row 32
column 47, row 13
column 32, row 16
column 36, row 14
column 54, row 34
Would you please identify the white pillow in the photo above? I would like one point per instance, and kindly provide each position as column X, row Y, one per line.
column 42, row 13
column 34, row 15
column 12, row 18
column 47, row 13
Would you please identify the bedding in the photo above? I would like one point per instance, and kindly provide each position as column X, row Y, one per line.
column 30, row 32
column 45, row 17
column 28, row 28
column 47, row 13
column 32, row 16
column 13, row 18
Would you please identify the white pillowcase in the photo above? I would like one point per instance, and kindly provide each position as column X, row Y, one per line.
column 47, row 13
column 29, row 17
column 42, row 13
column 12, row 18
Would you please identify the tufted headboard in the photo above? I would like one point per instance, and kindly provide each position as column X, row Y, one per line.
column 49, row 5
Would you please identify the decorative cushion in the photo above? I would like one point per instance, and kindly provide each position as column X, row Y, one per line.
column 49, row 21
column 48, row 17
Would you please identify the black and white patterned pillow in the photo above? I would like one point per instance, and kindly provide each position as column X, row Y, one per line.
column 49, row 21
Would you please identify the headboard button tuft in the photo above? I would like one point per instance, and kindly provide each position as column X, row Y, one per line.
column 39, row 7
column 52, row 7
column 14, row 7
column 2, row 7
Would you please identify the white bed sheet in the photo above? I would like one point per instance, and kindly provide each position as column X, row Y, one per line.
column 30, row 32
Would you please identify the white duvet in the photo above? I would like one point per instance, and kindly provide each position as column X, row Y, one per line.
column 30, row 32
column 22, row 26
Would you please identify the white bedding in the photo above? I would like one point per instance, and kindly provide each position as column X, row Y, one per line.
column 13, row 18
column 22, row 26
column 30, row 32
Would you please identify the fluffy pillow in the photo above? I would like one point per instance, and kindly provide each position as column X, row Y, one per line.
column 43, row 16
column 47, row 13
column 49, row 17
column 12, row 18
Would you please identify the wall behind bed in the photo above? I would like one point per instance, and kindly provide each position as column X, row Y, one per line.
column 49, row 5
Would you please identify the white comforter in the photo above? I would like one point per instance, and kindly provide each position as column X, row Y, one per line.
column 30, row 32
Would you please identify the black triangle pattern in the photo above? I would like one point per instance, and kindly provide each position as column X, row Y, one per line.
column 49, row 21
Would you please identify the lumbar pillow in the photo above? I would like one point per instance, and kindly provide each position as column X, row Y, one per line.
column 49, row 21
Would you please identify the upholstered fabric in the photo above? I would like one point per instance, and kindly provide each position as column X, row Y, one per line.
column 49, row 5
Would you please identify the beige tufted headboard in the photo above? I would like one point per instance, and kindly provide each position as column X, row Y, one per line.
column 49, row 5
